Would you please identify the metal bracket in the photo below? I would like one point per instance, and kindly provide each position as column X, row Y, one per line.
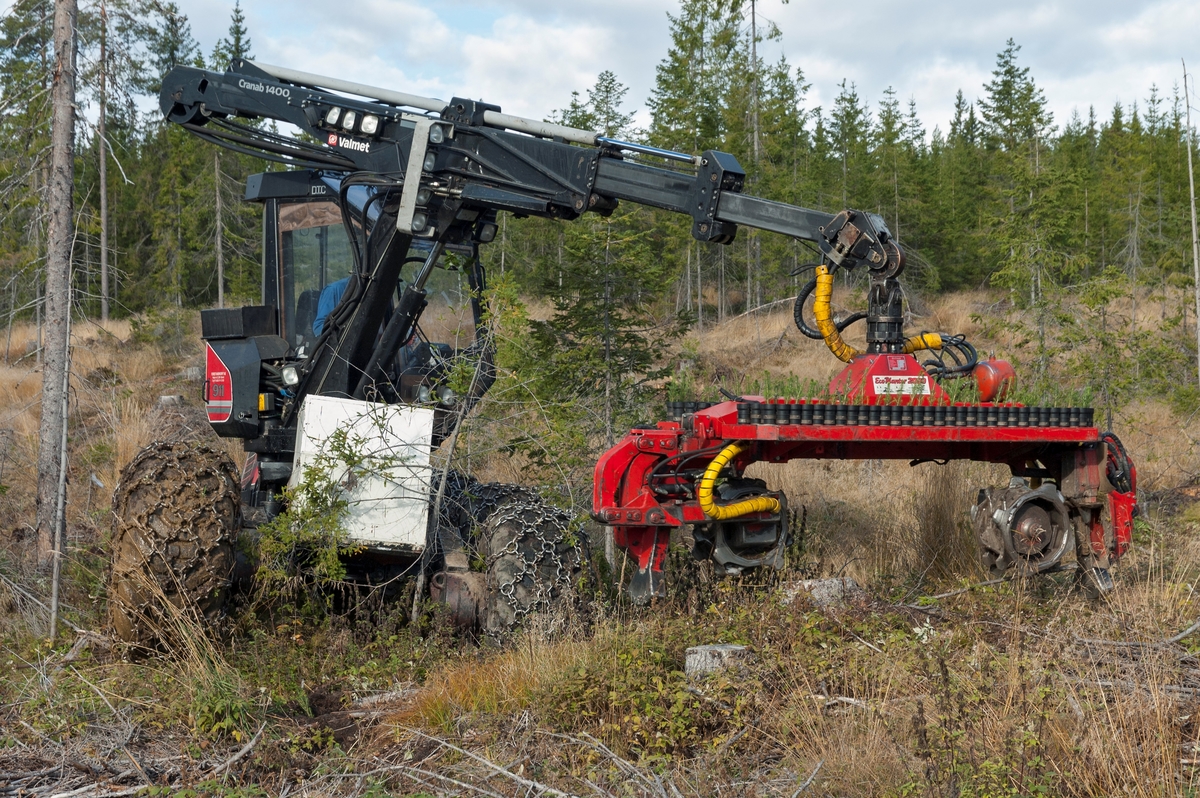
column 718, row 172
column 412, row 173
column 468, row 113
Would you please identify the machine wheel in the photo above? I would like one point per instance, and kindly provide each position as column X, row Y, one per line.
column 533, row 558
column 176, row 510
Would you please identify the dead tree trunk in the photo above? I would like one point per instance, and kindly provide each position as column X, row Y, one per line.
column 220, row 233
column 103, row 131
column 60, row 236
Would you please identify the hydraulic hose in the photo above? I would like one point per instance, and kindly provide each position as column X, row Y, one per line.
column 931, row 341
column 798, row 313
column 823, row 313
column 704, row 491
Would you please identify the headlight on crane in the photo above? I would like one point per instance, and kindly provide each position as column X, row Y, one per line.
column 437, row 134
column 430, row 162
column 290, row 376
column 348, row 120
column 370, row 125
column 423, row 196
column 332, row 116
column 485, row 233
column 418, row 222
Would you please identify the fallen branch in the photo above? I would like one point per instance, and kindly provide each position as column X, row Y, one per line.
column 92, row 787
column 247, row 748
column 114, row 794
column 527, row 783
column 733, row 739
column 1166, row 641
column 409, row 771
column 624, row 765
column 32, row 774
column 846, row 701
column 762, row 307
column 76, row 651
column 990, row 582
column 809, row 780
column 1134, row 686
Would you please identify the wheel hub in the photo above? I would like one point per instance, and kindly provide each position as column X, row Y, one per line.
column 1031, row 530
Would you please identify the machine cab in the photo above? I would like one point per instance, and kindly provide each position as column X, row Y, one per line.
column 307, row 256
column 305, row 246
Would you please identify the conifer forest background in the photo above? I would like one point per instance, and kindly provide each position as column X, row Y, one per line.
column 1093, row 206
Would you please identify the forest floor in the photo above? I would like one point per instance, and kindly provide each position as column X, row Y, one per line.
column 922, row 684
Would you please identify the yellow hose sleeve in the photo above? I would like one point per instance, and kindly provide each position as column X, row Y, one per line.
column 823, row 313
column 923, row 341
column 704, row 491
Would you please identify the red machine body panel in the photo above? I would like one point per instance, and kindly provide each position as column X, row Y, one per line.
column 870, row 377
column 645, row 485
column 218, row 387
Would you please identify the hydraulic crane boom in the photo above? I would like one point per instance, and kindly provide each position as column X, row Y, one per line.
column 443, row 174
column 476, row 154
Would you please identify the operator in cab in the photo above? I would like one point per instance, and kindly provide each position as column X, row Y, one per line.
column 331, row 295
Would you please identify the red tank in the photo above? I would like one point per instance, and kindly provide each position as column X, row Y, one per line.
column 995, row 378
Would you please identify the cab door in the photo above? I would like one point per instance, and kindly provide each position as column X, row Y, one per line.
column 313, row 253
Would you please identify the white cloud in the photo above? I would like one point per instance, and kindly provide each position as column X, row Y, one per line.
column 528, row 55
column 530, row 67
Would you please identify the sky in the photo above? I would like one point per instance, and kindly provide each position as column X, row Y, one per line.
column 528, row 55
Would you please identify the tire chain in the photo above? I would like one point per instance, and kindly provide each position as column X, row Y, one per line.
column 531, row 554
column 175, row 513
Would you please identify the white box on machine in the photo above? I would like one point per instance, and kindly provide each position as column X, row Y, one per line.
column 389, row 504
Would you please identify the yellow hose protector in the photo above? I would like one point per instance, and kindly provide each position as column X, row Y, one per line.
column 823, row 313
column 923, row 341
column 704, row 491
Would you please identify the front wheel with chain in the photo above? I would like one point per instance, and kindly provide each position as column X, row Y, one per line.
column 533, row 557
column 176, row 519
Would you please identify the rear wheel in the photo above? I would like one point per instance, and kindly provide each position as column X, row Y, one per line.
column 176, row 511
column 533, row 557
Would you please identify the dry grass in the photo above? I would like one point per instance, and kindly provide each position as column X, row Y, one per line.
column 501, row 684
column 114, row 385
column 987, row 693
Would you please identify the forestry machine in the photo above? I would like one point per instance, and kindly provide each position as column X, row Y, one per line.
column 367, row 237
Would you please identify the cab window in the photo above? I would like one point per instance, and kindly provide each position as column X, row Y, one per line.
column 314, row 253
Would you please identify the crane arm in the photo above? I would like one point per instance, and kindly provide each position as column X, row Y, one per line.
column 470, row 151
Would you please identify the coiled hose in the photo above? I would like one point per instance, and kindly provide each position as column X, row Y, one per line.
column 704, row 491
column 798, row 310
column 1120, row 468
column 822, row 289
column 931, row 341
column 823, row 314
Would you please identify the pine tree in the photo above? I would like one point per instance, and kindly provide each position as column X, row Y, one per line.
column 236, row 44
column 26, row 53
column 112, row 36
column 685, row 105
column 591, row 363
column 849, row 124
column 602, row 111
column 170, row 43
column 1014, row 112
